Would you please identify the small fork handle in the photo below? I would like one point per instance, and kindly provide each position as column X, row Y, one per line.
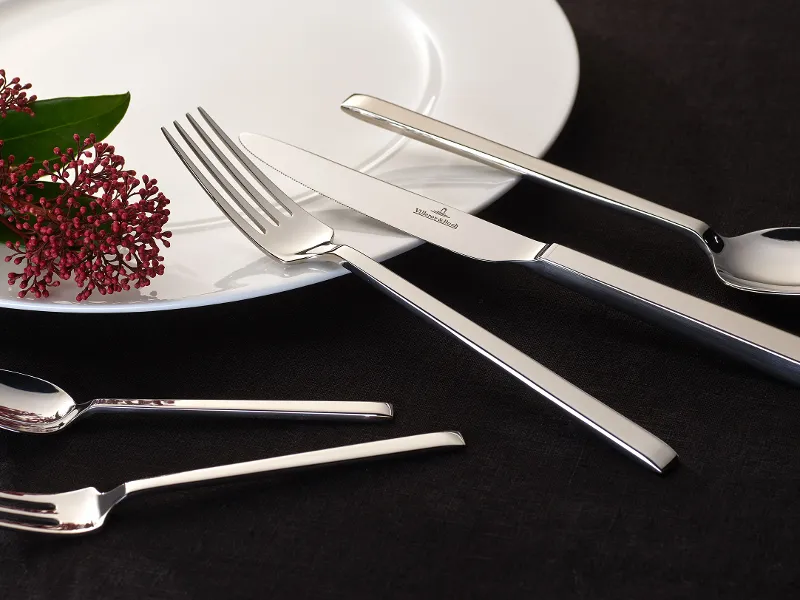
column 626, row 435
column 271, row 409
column 414, row 443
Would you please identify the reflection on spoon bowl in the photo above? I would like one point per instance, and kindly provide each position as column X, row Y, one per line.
column 32, row 405
column 766, row 261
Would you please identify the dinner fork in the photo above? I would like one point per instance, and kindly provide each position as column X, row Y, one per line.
column 291, row 234
column 85, row 510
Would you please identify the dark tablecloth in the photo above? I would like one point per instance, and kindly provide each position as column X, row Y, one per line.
column 692, row 103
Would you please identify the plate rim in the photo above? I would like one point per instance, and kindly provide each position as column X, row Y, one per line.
column 93, row 306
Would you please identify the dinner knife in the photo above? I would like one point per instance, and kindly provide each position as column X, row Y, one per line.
column 763, row 346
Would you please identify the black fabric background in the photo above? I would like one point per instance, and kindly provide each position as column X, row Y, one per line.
column 692, row 103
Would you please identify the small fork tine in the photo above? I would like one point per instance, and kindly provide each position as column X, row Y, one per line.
column 6, row 510
column 36, row 514
column 277, row 194
column 16, row 502
column 248, row 230
column 20, row 498
column 22, row 526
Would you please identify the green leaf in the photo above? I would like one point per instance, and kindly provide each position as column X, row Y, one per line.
column 56, row 120
column 6, row 235
column 50, row 190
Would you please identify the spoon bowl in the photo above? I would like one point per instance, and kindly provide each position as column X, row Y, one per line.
column 765, row 261
column 32, row 405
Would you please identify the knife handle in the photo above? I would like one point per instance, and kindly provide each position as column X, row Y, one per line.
column 761, row 345
column 617, row 429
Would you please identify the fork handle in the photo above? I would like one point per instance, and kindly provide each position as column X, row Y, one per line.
column 329, row 456
column 626, row 435
column 271, row 409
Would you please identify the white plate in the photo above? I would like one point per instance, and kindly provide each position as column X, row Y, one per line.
column 506, row 69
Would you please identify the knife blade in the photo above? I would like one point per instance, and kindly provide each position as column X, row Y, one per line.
column 763, row 346
column 417, row 215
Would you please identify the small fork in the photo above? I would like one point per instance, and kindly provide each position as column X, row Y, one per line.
column 85, row 510
column 293, row 234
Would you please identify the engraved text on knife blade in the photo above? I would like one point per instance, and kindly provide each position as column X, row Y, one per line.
column 437, row 216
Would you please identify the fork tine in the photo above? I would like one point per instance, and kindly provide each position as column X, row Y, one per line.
column 17, row 501
column 249, row 210
column 5, row 510
column 248, row 230
column 21, row 497
column 257, row 197
column 277, row 194
column 22, row 526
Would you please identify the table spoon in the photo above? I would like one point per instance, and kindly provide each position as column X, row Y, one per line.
column 29, row 404
column 765, row 261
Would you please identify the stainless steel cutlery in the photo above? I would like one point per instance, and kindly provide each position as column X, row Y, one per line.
column 761, row 261
column 32, row 405
column 85, row 510
column 763, row 346
column 284, row 230
column 765, row 261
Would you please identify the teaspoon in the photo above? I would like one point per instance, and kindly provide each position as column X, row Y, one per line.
column 32, row 405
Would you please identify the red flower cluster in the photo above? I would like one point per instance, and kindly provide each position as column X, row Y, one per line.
column 93, row 220
column 13, row 96
column 103, row 226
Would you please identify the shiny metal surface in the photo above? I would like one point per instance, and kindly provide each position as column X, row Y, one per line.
column 765, row 347
column 85, row 510
column 409, row 212
column 29, row 404
column 765, row 261
column 313, row 240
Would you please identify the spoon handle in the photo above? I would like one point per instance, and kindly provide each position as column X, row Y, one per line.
column 272, row 409
column 435, row 133
column 763, row 346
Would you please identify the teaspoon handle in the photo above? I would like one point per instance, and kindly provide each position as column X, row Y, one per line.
column 272, row 409
column 763, row 346
column 435, row 133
